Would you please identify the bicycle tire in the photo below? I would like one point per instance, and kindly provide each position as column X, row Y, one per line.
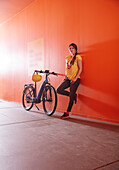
column 49, row 100
column 25, row 101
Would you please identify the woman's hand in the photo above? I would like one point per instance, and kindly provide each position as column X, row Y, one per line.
column 73, row 80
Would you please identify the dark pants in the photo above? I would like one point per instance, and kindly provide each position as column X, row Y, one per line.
column 73, row 87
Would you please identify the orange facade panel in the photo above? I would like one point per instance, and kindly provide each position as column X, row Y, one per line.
column 39, row 36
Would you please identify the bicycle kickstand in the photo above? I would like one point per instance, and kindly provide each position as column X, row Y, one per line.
column 37, row 107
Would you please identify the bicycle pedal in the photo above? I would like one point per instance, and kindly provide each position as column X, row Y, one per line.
column 29, row 101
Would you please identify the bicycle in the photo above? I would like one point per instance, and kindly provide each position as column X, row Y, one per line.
column 47, row 93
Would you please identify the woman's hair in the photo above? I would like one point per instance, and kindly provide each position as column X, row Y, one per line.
column 74, row 58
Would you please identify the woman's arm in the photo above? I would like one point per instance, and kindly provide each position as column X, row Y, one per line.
column 65, row 68
column 79, row 62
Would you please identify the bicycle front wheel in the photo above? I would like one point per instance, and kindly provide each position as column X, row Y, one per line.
column 49, row 100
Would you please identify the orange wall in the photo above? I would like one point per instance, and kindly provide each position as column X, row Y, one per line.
column 52, row 25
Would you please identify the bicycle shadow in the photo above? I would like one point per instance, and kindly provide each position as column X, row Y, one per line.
column 87, row 122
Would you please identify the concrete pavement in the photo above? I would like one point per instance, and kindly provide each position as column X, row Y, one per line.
column 34, row 141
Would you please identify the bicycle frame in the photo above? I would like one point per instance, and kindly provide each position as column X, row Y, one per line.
column 41, row 89
column 37, row 98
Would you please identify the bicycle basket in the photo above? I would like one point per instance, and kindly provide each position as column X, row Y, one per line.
column 36, row 77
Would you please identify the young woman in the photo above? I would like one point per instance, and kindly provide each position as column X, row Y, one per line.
column 72, row 80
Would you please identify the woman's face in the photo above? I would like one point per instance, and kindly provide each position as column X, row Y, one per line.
column 72, row 50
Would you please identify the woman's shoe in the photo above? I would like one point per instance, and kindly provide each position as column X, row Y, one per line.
column 65, row 115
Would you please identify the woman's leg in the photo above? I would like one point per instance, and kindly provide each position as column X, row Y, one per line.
column 73, row 88
column 64, row 85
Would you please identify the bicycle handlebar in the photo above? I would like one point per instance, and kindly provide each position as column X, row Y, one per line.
column 48, row 72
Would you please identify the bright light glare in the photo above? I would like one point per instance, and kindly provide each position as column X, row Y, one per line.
column 9, row 61
column 5, row 61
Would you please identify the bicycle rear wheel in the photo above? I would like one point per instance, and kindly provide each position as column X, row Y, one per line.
column 49, row 100
column 27, row 98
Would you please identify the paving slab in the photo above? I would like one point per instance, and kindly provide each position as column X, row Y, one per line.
column 34, row 141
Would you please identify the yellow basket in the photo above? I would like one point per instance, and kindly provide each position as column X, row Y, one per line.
column 36, row 77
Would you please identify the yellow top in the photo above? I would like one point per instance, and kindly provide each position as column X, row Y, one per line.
column 71, row 70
